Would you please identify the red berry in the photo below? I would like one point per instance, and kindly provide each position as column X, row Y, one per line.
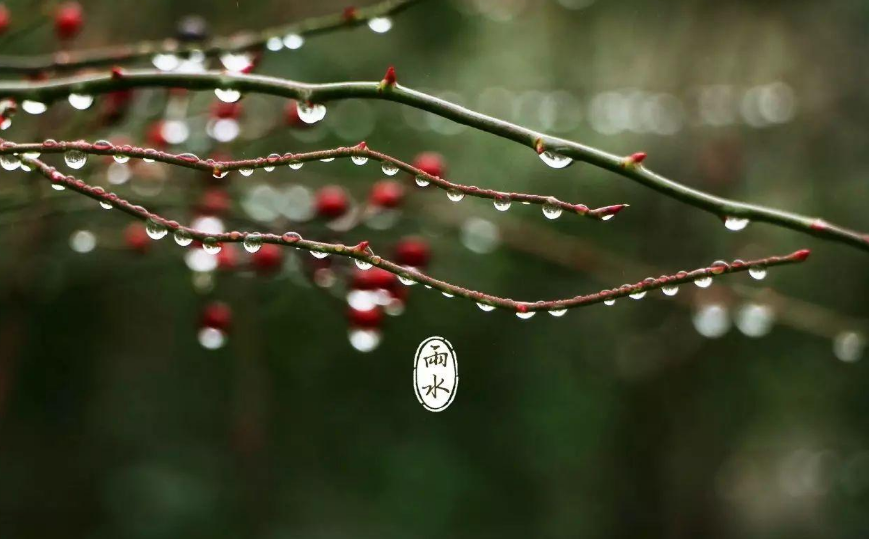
column 431, row 163
column 155, row 135
column 227, row 258
column 68, row 20
column 412, row 252
column 217, row 315
column 291, row 115
column 374, row 279
column 136, row 238
column 387, row 194
column 220, row 109
column 331, row 202
column 268, row 259
column 214, row 201
column 369, row 319
column 4, row 18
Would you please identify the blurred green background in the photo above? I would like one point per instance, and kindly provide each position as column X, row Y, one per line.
column 735, row 411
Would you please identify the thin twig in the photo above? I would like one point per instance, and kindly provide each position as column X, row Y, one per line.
column 244, row 41
column 629, row 167
column 218, row 168
column 363, row 253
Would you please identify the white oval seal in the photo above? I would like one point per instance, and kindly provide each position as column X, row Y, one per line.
column 435, row 374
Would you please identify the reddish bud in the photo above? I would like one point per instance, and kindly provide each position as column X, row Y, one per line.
column 370, row 319
column 538, row 146
column 217, row 315
column 4, row 18
column 136, row 238
column 331, row 202
column 387, row 194
column 68, row 20
column 389, row 79
column 802, row 254
column 430, row 163
column 350, row 13
column 362, row 145
column 412, row 251
column 117, row 72
column 227, row 258
column 268, row 259
column 635, row 158
column 361, row 246
column 374, row 279
column 819, row 224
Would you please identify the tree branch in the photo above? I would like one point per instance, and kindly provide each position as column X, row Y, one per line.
column 188, row 160
column 629, row 167
column 244, row 41
column 362, row 253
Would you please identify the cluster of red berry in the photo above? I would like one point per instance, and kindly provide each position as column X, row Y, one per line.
column 68, row 19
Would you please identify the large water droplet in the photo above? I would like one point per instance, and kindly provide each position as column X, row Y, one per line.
column 105, row 205
column 33, row 107
column 227, row 95
column 703, row 281
column 757, row 272
column 121, row 158
column 455, row 195
column 485, row 307
column 211, row 338
column 638, row 295
column 245, row 171
column 211, row 246
column 555, row 160
column 422, row 182
column 551, row 211
column 319, row 254
column 735, row 223
column 526, row 315
column 9, row 162
column 75, row 159
column 364, row 340
column 272, row 158
column 81, row 101
column 296, row 165
column 363, row 265
column 5, row 123
column 502, row 203
column 389, row 169
column 407, row 281
column 558, row 312
column 236, row 62
column 253, row 242
column 381, row 25
column 57, row 187
column 182, row 237
column 609, row 302
column 311, row 113
column 293, row 41
column 166, row 62
column 359, row 159
column 670, row 290
column 155, row 230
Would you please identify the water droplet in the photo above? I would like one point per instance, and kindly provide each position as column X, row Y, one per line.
column 607, row 217
column 848, row 346
column 57, row 187
column 189, row 157
column 327, row 159
column 703, row 281
column 405, row 280
column 757, row 272
column 526, row 315
column 211, row 246
column 363, row 265
column 296, row 165
column 485, row 307
column 272, row 158
column 558, row 312
column 711, row 321
column 670, row 290
column 555, row 160
column 638, row 295
column 754, row 320
column 33, row 107
column 166, row 62
column 381, row 25
column 182, row 237
column 311, row 113
column 319, row 254
column 236, row 62
column 274, row 44
column 245, row 171
column 293, row 41
column 502, row 204
column 227, row 95
column 9, row 162
column 211, row 338
column 75, row 159
column 364, row 340
column 447, row 295
column 735, row 223
column 105, row 205
column 609, row 302
column 551, row 211
column 83, row 241
column 219, row 173
column 389, row 169
column 31, row 155
column 121, row 158
column 81, row 101
column 359, row 159
column 455, row 195
column 6, row 123
column 422, row 182
column 155, row 230
column 252, row 242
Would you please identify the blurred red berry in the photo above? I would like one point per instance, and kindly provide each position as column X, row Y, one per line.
column 4, row 18
column 412, row 252
column 431, row 163
column 136, row 238
column 331, row 201
column 215, row 201
column 268, row 259
column 227, row 258
column 68, row 20
column 387, row 194
column 217, row 315
column 219, row 109
column 374, row 279
column 370, row 319
column 155, row 135
column 291, row 115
